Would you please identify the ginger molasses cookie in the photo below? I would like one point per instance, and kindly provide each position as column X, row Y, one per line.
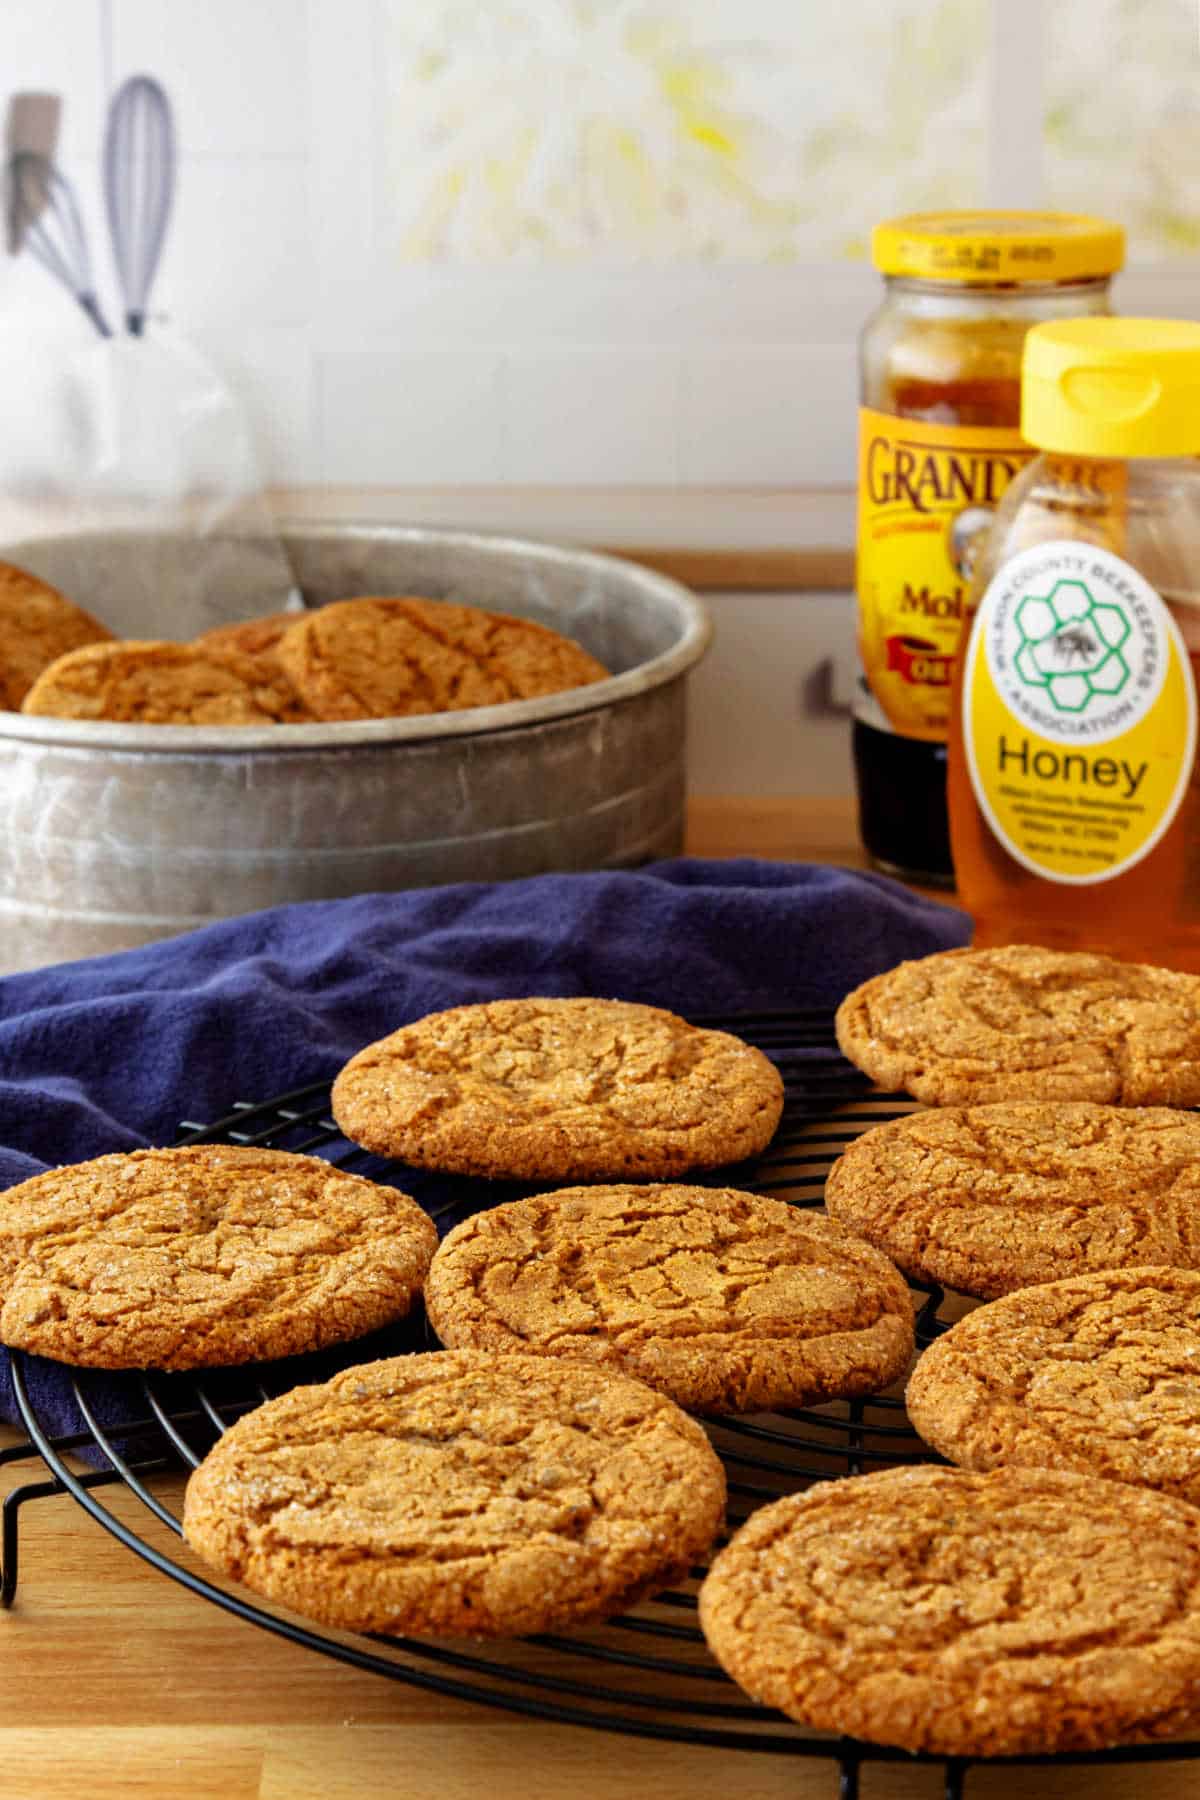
column 1015, row 1613
column 202, row 1256
column 375, row 658
column 257, row 641
column 37, row 626
column 1099, row 1373
column 254, row 637
column 725, row 1301
column 153, row 683
column 988, row 1199
column 1020, row 1023
column 459, row 1494
column 558, row 1090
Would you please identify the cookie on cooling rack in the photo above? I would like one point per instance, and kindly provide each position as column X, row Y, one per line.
column 379, row 657
column 203, row 1256
column 1099, row 1374
column 152, row 683
column 1014, row 1613
column 459, row 1494
column 1022, row 1023
column 560, row 1090
column 726, row 1301
column 37, row 626
column 988, row 1199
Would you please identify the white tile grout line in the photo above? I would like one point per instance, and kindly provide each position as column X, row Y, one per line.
column 1015, row 95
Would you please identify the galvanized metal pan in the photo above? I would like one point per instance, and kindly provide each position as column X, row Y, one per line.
column 112, row 835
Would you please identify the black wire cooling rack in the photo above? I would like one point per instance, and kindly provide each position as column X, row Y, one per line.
column 646, row 1674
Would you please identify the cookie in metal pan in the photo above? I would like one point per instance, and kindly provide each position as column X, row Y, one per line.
column 394, row 656
column 37, row 626
column 160, row 683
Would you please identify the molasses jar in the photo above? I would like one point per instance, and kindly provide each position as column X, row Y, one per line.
column 939, row 443
column 1074, row 789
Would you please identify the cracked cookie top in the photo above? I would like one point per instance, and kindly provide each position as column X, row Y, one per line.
column 1012, row 1613
column 459, row 1494
column 196, row 1257
column 559, row 1090
column 256, row 641
column 1099, row 1373
column 723, row 1300
column 988, row 1199
column 37, row 626
column 1021, row 1023
column 255, row 637
column 382, row 657
column 151, row 683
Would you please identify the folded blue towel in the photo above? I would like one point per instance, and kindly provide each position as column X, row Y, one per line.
column 113, row 1053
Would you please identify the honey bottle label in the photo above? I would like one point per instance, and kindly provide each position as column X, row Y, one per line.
column 1079, row 712
column 925, row 495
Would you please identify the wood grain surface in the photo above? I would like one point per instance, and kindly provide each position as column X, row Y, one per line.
column 120, row 1685
column 783, row 828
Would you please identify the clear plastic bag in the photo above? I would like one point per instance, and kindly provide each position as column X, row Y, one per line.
column 107, row 437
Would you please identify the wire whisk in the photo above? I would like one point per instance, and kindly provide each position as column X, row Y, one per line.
column 139, row 187
column 44, row 216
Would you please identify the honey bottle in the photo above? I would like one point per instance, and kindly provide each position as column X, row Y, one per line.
column 1073, row 792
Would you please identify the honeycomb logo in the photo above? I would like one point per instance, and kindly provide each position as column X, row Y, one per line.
column 1071, row 646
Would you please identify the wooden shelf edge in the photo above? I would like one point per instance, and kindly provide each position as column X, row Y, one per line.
column 768, row 571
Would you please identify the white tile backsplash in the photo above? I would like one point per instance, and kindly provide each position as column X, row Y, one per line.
column 237, row 70
column 360, row 367
column 271, row 368
column 56, row 47
column 771, row 416
column 239, row 252
column 591, row 418
column 399, row 416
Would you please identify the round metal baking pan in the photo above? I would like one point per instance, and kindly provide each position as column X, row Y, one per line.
column 113, row 835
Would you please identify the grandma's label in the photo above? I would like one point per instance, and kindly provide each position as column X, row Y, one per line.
column 1079, row 712
column 925, row 494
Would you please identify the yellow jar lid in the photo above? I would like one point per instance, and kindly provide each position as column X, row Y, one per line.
column 1113, row 387
column 989, row 247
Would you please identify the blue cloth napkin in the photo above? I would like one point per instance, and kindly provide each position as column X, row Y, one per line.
column 114, row 1052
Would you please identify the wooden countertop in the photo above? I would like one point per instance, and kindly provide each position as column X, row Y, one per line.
column 118, row 1683
column 781, row 827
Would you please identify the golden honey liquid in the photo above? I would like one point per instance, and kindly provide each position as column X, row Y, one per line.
column 1150, row 912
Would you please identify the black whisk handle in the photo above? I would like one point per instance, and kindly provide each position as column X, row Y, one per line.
column 45, row 220
column 92, row 308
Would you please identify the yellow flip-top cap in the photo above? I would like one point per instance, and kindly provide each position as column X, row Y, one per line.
column 992, row 247
column 1113, row 387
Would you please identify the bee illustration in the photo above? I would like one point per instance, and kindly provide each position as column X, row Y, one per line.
column 1074, row 644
